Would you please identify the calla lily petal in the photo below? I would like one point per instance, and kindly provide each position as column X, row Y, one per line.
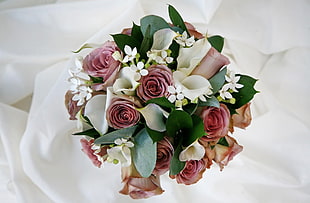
column 163, row 38
column 153, row 116
column 95, row 110
column 126, row 83
column 189, row 58
column 193, row 86
column 195, row 151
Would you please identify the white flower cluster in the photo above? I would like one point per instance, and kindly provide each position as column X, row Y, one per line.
column 231, row 85
column 79, row 79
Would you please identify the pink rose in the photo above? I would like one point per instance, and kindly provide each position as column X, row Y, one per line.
column 100, row 63
column 243, row 117
column 71, row 105
column 191, row 173
column 122, row 113
column 210, row 64
column 216, row 122
column 225, row 154
column 192, row 31
column 138, row 187
column 91, row 153
column 164, row 154
column 156, row 83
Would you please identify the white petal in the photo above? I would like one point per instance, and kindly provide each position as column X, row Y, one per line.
column 95, row 111
column 126, row 82
column 127, row 50
column 172, row 98
column 140, row 65
column 163, row 38
column 120, row 153
column 144, row 72
column 189, row 58
column 153, row 116
column 195, row 151
column 171, row 89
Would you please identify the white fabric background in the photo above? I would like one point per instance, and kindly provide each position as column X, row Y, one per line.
column 41, row 162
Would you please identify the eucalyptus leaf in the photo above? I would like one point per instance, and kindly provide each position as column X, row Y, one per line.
column 211, row 101
column 144, row 153
column 93, row 133
column 217, row 42
column 218, row 80
column 176, row 19
column 155, row 23
column 177, row 121
column 109, row 138
column 176, row 166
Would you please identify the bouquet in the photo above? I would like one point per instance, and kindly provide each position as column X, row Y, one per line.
column 158, row 98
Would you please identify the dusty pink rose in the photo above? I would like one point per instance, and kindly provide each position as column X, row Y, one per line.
column 191, row 173
column 156, row 83
column 91, row 153
column 138, row 187
column 243, row 117
column 216, row 122
column 224, row 154
column 100, row 63
column 71, row 105
column 164, row 154
column 122, row 113
column 210, row 64
column 192, row 31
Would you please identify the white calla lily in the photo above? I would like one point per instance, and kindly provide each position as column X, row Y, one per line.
column 126, row 83
column 95, row 110
column 153, row 116
column 163, row 38
column 195, row 151
column 120, row 153
column 193, row 86
column 189, row 58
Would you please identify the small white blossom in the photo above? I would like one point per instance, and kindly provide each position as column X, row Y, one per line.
column 184, row 41
column 130, row 54
column 224, row 93
column 123, row 141
column 176, row 94
column 232, row 80
column 163, row 58
column 121, row 152
column 139, row 69
column 84, row 94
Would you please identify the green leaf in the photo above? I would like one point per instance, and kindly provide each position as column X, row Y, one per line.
column 176, row 19
column 96, row 79
column 217, row 42
column 136, row 32
column 121, row 133
column 90, row 133
column 146, row 42
column 144, row 153
column 176, row 166
column 246, row 93
column 196, row 132
column 218, row 80
column 155, row 23
column 174, row 47
column 161, row 101
column 121, row 40
column 177, row 121
column 190, row 108
column 223, row 141
column 155, row 135
column 212, row 101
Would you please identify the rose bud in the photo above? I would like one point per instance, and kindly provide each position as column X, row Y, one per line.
column 71, row 105
column 164, row 155
column 243, row 117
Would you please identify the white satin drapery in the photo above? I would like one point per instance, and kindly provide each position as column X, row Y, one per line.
column 41, row 162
